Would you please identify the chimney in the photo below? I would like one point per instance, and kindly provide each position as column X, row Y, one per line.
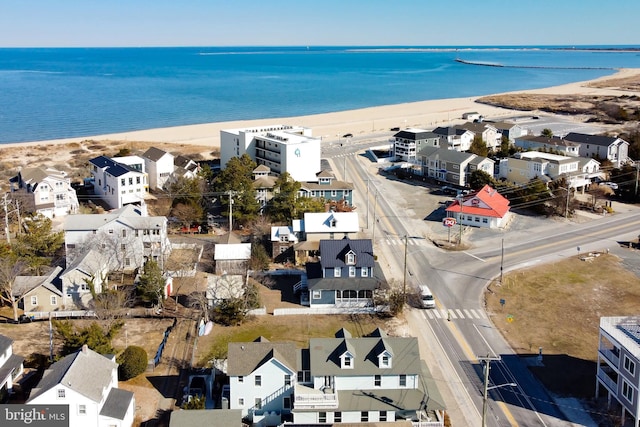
column 85, row 348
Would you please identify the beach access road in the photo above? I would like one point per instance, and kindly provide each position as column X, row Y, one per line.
column 393, row 209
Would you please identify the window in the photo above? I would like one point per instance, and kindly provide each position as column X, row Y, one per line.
column 286, row 402
column 240, row 379
column 123, row 182
column 334, row 193
column 385, row 361
column 287, row 380
column 84, row 286
column 123, row 247
column 111, row 231
column 71, row 246
column 127, row 261
column 322, row 417
column 627, row 391
column 137, row 180
column 124, row 233
column 347, row 361
column 130, row 181
column 82, row 409
column 364, row 416
column 485, row 221
column 629, row 365
column 241, row 401
column 146, row 245
column 316, row 295
column 54, row 300
column 377, row 381
column 364, row 271
column 258, row 403
column 34, row 300
column 337, row 417
column 403, row 380
column 61, row 393
column 337, row 272
column 258, row 381
column 383, row 416
column 351, row 258
column 352, row 271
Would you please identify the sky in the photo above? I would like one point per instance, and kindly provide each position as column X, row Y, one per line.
column 115, row 23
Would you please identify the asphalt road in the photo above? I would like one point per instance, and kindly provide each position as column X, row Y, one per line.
column 402, row 218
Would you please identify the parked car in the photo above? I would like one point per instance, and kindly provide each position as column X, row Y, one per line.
column 347, row 135
column 611, row 185
column 395, row 129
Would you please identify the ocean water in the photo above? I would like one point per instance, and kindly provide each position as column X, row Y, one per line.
column 51, row 93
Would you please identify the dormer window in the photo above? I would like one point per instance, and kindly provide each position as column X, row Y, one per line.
column 384, row 360
column 350, row 258
column 346, row 361
column 333, row 223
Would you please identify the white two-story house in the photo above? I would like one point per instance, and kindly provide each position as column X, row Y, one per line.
column 125, row 237
column 334, row 380
column 159, row 167
column 88, row 383
column 614, row 149
column 119, row 181
column 11, row 367
column 44, row 191
column 454, row 138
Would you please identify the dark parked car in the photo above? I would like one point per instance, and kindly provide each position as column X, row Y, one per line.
column 396, row 129
column 23, row 318
column 347, row 135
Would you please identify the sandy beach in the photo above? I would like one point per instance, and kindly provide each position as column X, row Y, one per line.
column 425, row 114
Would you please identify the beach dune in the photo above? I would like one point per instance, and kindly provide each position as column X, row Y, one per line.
column 331, row 126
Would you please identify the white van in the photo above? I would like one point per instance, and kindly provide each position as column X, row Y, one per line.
column 426, row 297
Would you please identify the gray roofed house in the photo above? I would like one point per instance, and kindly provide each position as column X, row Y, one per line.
column 159, row 166
column 125, row 236
column 344, row 278
column 452, row 166
column 87, row 382
column 454, row 138
column 119, row 181
column 92, row 266
column 206, row 417
column 39, row 293
column 555, row 144
column 407, row 143
column 351, row 374
column 614, row 149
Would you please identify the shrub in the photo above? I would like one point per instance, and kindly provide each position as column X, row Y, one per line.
column 133, row 361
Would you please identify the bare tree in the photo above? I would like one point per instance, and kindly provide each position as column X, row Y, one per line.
column 9, row 271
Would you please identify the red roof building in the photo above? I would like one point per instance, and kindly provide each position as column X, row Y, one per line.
column 485, row 208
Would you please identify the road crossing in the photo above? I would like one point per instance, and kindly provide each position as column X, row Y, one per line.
column 454, row 314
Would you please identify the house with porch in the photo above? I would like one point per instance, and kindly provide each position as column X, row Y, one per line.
column 485, row 208
column 334, row 380
column 316, row 226
column 125, row 236
column 327, row 187
column 44, row 191
column 452, row 166
column 611, row 148
column 11, row 367
column 408, row 142
column 344, row 276
column 454, row 138
column 525, row 166
column 88, row 383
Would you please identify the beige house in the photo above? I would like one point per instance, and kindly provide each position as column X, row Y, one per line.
column 523, row 167
column 39, row 293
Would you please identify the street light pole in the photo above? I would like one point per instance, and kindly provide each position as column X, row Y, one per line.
column 375, row 205
column 487, row 365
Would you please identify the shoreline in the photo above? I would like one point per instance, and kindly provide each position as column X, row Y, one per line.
column 359, row 122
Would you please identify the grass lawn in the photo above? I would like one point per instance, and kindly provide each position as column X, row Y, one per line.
column 296, row 328
column 558, row 307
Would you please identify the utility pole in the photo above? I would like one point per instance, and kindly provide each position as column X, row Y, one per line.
column 231, row 194
column 501, row 260
column 460, row 220
column 487, row 365
column 404, row 280
column 6, row 218
column 566, row 208
column 375, row 205
column 367, row 203
column 637, row 170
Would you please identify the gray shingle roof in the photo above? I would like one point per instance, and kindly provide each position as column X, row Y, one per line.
column 333, row 252
column 117, row 403
column 5, row 343
column 206, row 417
column 154, row 154
column 24, row 284
column 326, row 352
column 415, row 135
column 84, row 371
column 128, row 215
column 590, row 139
column 452, row 156
column 243, row 358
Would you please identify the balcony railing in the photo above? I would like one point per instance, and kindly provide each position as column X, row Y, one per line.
column 608, row 381
column 310, row 398
column 613, row 357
